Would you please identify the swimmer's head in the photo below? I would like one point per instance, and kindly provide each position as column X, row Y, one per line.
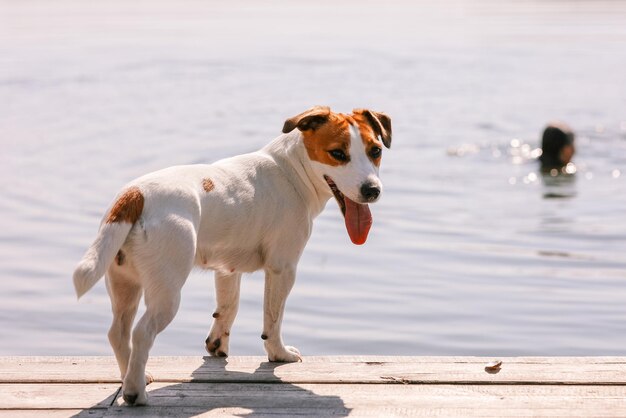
column 557, row 146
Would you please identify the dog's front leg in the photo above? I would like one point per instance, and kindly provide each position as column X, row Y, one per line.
column 227, row 296
column 278, row 284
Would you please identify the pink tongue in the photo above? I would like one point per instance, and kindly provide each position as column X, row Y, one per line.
column 358, row 221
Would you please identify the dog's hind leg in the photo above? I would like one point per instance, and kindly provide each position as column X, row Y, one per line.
column 227, row 296
column 278, row 284
column 161, row 307
column 125, row 293
column 163, row 271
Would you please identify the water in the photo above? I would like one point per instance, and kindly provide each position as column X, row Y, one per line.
column 472, row 251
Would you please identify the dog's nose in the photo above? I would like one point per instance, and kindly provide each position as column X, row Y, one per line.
column 370, row 192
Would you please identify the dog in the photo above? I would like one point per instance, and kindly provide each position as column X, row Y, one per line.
column 241, row 214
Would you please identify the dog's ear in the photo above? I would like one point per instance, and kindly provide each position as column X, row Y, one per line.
column 310, row 119
column 380, row 122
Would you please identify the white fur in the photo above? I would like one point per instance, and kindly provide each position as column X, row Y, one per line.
column 110, row 239
column 258, row 216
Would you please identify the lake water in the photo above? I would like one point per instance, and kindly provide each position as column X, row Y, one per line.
column 472, row 251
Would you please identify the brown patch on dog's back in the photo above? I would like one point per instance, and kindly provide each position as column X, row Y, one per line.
column 128, row 207
column 334, row 134
column 207, row 185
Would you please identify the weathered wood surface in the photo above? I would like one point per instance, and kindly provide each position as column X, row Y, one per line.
column 356, row 369
column 319, row 386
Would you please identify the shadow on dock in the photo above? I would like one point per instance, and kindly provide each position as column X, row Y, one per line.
column 214, row 390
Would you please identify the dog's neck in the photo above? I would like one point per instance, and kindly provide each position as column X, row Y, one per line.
column 289, row 153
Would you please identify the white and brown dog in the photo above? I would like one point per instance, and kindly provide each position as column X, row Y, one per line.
column 241, row 214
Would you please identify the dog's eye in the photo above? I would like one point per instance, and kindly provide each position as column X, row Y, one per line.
column 375, row 152
column 338, row 155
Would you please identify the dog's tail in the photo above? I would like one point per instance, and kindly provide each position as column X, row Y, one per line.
column 113, row 232
column 99, row 256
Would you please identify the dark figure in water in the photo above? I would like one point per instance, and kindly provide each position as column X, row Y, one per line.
column 557, row 146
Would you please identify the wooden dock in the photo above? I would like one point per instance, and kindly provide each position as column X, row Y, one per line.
column 320, row 386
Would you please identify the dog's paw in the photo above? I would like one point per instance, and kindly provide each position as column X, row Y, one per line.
column 134, row 389
column 286, row 354
column 134, row 396
column 135, row 399
column 217, row 346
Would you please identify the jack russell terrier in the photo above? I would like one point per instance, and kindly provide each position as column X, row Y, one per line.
column 241, row 214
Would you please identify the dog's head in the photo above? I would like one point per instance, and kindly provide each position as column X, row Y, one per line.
column 345, row 152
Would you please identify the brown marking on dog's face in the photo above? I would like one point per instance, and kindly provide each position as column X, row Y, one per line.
column 323, row 132
column 334, row 135
column 207, row 185
column 379, row 122
column 373, row 146
column 127, row 207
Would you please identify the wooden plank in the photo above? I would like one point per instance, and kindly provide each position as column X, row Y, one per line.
column 326, row 399
column 266, row 395
column 366, row 369
column 383, row 411
column 53, row 413
column 12, row 361
column 378, row 400
column 56, row 369
column 57, row 396
column 218, row 390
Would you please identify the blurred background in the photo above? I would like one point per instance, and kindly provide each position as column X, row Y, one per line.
column 473, row 251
